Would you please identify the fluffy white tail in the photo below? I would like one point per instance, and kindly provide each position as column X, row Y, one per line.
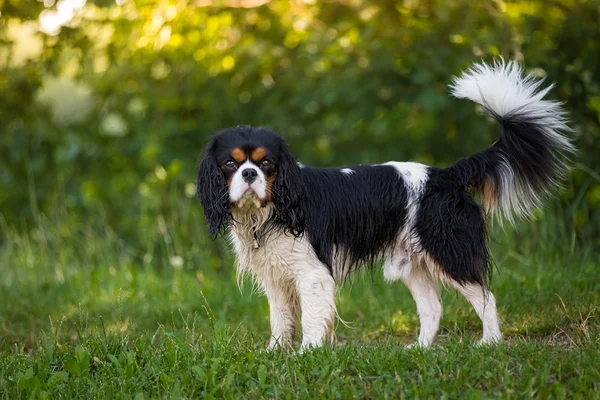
column 528, row 161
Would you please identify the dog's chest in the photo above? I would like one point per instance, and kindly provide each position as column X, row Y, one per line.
column 276, row 253
column 254, row 253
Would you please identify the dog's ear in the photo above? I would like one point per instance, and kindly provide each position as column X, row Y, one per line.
column 212, row 192
column 288, row 193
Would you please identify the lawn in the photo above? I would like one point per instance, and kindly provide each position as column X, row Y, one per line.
column 87, row 313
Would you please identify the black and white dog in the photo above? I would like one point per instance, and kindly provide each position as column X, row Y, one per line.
column 299, row 230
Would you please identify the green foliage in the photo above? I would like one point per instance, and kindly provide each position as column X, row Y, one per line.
column 78, row 365
column 384, row 370
column 112, row 111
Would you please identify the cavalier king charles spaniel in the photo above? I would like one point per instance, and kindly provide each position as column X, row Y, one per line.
column 300, row 230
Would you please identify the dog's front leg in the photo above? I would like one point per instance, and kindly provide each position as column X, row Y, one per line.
column 282, row 304
column 316, row 291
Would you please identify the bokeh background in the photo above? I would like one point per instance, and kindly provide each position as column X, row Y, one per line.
column 105, row 107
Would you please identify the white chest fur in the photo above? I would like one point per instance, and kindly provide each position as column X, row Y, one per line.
column 276, row 256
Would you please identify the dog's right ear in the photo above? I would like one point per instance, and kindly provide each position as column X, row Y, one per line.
column 213, row 194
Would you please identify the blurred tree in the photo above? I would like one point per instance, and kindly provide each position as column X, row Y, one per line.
column 106, row 105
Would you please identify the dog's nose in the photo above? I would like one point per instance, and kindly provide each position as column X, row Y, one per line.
column 249, row 175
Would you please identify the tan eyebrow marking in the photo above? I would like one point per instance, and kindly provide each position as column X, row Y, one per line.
column 258, row 154
column 238, row 155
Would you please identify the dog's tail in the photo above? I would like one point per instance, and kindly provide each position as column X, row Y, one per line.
column 517, row 172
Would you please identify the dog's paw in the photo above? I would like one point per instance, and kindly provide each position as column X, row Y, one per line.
column 305, row 348
column 417, row 345
column 489, row 341
column 308, row 346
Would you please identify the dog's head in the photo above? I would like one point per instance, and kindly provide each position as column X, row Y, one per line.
column 247, row 168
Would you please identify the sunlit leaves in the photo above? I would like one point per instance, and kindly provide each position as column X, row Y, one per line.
column 342, row 81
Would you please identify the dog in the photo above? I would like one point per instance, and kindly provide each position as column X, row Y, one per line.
column 300, row 230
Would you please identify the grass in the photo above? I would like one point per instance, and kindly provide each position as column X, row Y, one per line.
column 86, row 313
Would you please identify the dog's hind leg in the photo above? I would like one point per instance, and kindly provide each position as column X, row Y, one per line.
column 423, row 286
column 484, row 303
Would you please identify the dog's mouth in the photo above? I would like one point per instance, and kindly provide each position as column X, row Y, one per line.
column 250, row 189
column 249, row 199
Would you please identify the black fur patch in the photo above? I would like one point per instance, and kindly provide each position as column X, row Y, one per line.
column 353, row 217
column 452, row 230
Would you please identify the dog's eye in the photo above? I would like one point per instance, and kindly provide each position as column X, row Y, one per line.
column 266, row 163
column 229, row 163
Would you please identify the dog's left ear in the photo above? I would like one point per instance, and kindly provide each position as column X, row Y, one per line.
column 288, row 193
column 212, row 192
